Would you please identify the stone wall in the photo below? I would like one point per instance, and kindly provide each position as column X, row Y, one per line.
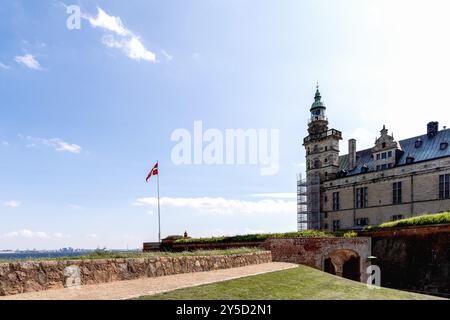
column 20, row 277
column 414, row 258
column 314, row 252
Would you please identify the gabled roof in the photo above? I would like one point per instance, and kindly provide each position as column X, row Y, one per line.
column 429, row 150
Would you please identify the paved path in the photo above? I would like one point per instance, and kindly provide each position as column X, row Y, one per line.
column 148, row 286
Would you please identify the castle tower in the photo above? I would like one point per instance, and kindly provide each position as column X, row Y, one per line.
column 322, row 144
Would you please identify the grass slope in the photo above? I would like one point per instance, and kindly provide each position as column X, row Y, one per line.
column 265, row 236
column 429, row 219
column 302, row 283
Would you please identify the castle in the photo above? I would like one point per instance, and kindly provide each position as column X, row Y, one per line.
column 390, row 181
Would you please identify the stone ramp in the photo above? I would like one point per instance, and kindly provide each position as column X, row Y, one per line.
column 128, row 289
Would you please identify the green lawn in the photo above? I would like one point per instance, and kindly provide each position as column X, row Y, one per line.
column 294, row 284
column 424, row 220
column 265, row 236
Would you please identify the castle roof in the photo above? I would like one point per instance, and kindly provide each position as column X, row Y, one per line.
column 317, row 104
column 428, row 149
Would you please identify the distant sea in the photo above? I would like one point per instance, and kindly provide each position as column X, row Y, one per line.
column 36, row 255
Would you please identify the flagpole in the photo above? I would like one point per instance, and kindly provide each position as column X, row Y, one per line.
column 159, row 213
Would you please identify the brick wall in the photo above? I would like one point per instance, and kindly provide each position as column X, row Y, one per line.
column 313, row 251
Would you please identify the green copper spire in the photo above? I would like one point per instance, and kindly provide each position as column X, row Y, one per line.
column 317, row 100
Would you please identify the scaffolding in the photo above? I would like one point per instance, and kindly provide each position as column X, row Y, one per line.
column 308, row 203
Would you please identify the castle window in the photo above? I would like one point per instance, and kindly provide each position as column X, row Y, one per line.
column 378, row 156
column 336, row 225
column 336, row 201
column 383, row 145
column 317, row 164
column 389, row 165
column 443, row 145
column 383, row 155
column 326, row 226
column 397, row 217
column 378, row 167
column 389, row 154
column 418, row 143
column 444, row 182
column 383, row 166
column 362, row 222
column 326, row 148
column 397, row 193
column 362, row 198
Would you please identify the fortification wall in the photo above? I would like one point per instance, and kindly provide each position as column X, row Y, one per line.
column 20, row 277
column 414, row 258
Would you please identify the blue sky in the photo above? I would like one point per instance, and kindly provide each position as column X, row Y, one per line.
column 84, row 114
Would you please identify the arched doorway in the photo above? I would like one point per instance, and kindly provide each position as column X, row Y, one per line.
column 350, row 269
column 329, row 266
column 343, row 262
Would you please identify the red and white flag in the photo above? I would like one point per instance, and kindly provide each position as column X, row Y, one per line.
column 153, row 172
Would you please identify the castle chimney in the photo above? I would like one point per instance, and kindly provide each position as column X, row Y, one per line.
column 432, row 128
column 352, row 154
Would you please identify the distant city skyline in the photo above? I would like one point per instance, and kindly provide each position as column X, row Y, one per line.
column 85, row 113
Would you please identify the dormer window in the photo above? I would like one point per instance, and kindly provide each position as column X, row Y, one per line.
column 444, row 145
column 418, row 143
column 364, row 168
column 410, row 159
column 383, row 145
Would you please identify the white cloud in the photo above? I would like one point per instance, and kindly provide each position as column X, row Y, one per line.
column 56, row 143
column 111, row 23
column 166, row 55
column 29, row 61
column 76, row 207
column 4, row 143
column 276, row 195
column 120, row 37
column 253, row 231
column 4, row 66
column 222, row 206
column 29, row 234
column 25, row 233
column 92, row 236
column 12, row 204
column 132, row 47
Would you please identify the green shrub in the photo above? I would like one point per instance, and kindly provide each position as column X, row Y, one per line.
column 264, row 236
column 429, row 219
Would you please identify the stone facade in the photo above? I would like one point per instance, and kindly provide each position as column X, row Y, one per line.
column 390, row 181
column 20, row 277
column 420, row 194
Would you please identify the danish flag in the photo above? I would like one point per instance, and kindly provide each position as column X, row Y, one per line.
column 153, row 172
